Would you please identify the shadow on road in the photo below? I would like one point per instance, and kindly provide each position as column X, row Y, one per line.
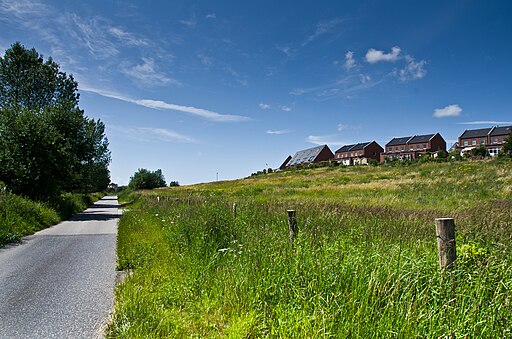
column 93, row 216
column 104, row 206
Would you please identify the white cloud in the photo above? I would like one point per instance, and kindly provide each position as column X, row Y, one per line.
column 264, row 106
column 324, row 140
column 342, row 88
column 485, row 122
column 91, row 33
column 285, row 49
column 147, row 74
column 280, row 132
column 205, row 60
column 286, row 109
column 127, row 38
column 413, row 69
column 241, row 80
column 448, row 111
column 211, row 16
column 349, row 61
column 162, row 105
column 21, row 8
column 152, row 134
column 190, row 23
column 365, row 78
column 322, row 28
column 373, row 55
column 342, row 127
column 69, row 34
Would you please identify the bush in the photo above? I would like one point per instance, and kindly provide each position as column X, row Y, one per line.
column 480, row 151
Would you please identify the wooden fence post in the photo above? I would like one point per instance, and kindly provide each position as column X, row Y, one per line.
column 445, row 231
column 292, row 225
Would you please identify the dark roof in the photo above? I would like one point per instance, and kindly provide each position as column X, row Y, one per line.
column 360, row 146
column 345, row 148
column 398, row 141
column 306, row 156
column 285, row 162
column 504, row 130
column 454, row 146
column 421, row 138
column 354, row 147
column 475, row 133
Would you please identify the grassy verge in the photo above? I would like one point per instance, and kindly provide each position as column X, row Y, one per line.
column 20, row 217
column 364, row 263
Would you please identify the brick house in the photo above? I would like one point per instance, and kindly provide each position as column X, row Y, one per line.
column 491, row 138
column 311, row 155
column 358, row 154
column 413, row 146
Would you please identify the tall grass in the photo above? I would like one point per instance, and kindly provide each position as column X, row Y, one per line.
column 20, row 216
column 355, row 270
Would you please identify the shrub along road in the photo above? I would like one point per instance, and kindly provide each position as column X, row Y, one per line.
column 59, row 282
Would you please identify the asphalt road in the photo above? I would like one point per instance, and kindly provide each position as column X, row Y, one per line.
column 59, row 282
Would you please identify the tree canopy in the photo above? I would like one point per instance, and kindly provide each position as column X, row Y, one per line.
column 47, row 144
column 145, row 179
column 507, row 145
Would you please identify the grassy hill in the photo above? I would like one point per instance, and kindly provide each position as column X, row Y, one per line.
column 364, row 263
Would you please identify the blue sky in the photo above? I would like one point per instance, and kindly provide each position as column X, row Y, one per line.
column 197, row 88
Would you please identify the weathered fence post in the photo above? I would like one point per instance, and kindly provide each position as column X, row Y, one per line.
column 292, row 225
column 445, row 231
column 234, row 210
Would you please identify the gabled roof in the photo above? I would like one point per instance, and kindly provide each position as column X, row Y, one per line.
column 475, row 133
column 285, row 162
column 398, row 141
column 455, row 146
column 360, row 146
column 306, row 156
column 421, row 138
column 345, row 148
column 354, row 147
column 504, row 130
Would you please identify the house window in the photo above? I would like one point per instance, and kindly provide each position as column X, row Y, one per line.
column 482, row 141
column 403, row 148
column 396, row 148
column 411, row 148
column 465, row 142
column 473, row 142
column 495, row 141
column 424, row 146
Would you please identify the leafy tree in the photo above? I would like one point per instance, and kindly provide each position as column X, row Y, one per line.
column 479, row 151
column 47, row 144
column 507, row 146
column 145, row 179
column 174, row 184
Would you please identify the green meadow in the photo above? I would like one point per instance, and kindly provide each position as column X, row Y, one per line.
column 215, row 260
